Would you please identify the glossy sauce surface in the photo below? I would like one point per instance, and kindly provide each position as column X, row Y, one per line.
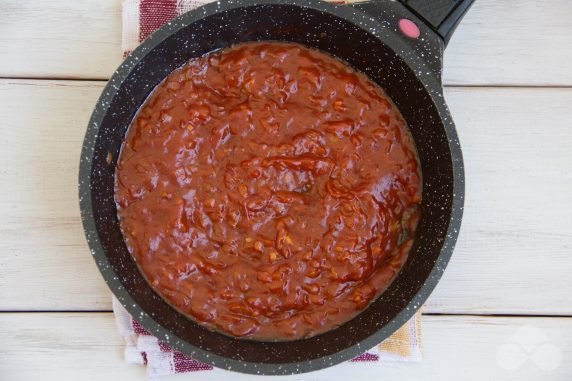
column 268, row 191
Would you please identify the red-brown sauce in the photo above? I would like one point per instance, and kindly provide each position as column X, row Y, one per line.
column 268, row 191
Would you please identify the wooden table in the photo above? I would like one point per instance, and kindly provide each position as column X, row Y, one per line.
column 508, row 77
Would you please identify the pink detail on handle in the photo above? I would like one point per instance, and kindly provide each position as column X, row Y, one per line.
column 409, row 28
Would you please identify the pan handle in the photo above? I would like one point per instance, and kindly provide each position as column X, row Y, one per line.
column 442, row 16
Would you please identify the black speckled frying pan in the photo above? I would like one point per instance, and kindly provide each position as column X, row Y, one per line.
column 399, row 45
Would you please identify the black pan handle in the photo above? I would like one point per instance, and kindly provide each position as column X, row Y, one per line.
column 442, row 16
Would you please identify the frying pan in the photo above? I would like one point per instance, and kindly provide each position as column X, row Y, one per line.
column 403, row 57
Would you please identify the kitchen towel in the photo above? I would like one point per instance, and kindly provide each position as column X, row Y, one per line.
column 141, row 18
column 144, row 349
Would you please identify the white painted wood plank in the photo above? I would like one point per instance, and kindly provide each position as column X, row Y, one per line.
column 514, row 253
column 60, row 38
column 512, row 42
column 44, row 261
column 62, row 346
column 86, row 346
column 513, row 256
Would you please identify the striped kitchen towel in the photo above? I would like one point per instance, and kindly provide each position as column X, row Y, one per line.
column 144, row 349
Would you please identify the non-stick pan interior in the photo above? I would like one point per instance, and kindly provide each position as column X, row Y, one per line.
column 360, row 49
